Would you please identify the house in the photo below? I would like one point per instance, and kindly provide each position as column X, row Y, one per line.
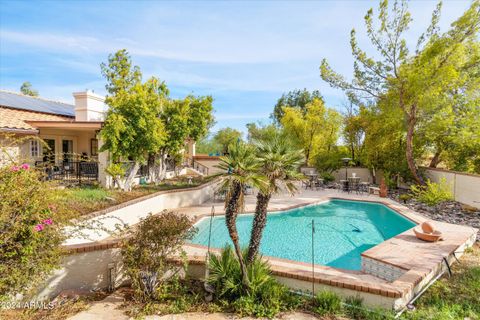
column 69, row 135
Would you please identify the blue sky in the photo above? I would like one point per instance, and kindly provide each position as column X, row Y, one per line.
column 245, row 54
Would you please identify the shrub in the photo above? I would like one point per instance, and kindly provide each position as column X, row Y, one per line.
column 31, row 230
column 147, row 253
column 264, row 298
column 355, row 309
column 405, row 197
column 327, row 177
column 433, row 193
column 327, row 303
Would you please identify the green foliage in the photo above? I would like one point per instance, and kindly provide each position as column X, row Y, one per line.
column 188, row 118
column 279, row 162
column 200, row 117
column 354, row 308
column 405, row 197
column 226, row 137
column 327, row 177
column 28, row 90
column 331, row 160
column 148, row 250
column 327, row 303
column 316, row 129
column 297, row 99
column 453, row 297
column 261, row 132
column 31, row 230
column 414, row 104
column 132, row 128
column 433, row 193
column 265, row 297
column 242, row 169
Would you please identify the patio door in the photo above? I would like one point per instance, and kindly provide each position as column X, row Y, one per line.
column 67, row 151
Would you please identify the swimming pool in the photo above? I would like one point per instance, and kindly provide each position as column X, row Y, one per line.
column 343, row 230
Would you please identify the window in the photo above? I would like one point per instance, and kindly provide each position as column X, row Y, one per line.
column 94, row 147
column 34, row 148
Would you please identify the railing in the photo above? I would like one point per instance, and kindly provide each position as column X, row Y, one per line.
column 70, row 171
column 200, row 168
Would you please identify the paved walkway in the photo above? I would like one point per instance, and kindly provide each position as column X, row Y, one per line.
column 281, row 201
column 106, row 309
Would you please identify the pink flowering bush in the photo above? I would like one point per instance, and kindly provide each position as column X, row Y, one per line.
column 30, row 229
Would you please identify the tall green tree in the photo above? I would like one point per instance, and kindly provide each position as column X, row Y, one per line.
column 297, row 99
column 132, row 129
column 225, row 137
column 183, row 120
column 279, row 163
column 353, row 132
column 411, row 82
column 241, row 166
column 28, row 90
column 315, row 130
column 260, row 132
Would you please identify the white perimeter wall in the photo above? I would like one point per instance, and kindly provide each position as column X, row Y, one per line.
column 464, row 187
column 131, row 214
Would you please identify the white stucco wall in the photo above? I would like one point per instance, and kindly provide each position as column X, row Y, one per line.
column 87, row 271
column 464, row 187
column 131, row 214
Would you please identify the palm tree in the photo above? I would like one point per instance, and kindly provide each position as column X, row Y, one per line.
column 242, row 169
column 279, row 163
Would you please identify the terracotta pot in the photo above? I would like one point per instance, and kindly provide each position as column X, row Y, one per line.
column 430, row 237
column 383, row 189
column 428, row 227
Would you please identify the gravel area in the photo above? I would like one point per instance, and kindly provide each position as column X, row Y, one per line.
column 448, row 211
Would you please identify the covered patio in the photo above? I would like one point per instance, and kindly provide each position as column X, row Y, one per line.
column 68, row 150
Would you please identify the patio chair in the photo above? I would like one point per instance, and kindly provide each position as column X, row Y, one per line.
column 354, row 185
column 319, row 184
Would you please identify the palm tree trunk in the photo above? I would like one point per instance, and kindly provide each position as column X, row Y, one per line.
column 259, row 223
column 231, row 212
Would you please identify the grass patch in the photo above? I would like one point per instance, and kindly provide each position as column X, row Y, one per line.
column 457, row 297
column 60, row 311
column 89, row 198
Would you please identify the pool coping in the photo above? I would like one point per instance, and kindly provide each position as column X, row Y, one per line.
column 402, row 287
column 399, row 291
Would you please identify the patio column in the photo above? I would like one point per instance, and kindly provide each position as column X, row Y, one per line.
column 103, row 162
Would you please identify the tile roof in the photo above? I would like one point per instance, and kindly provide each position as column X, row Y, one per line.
column 23, row 102
column 14, row 119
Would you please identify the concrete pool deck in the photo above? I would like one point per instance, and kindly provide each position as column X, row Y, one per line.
column 393, row 272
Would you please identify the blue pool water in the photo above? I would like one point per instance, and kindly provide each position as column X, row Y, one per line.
column 343, row 230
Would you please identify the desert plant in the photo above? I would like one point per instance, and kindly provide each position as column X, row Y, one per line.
column 327, row 303
column 432, row 193
column 265, row 297
column 31, row 229
column 405, row 197
column 148, row 252
column 279, row 163
column 241, row 168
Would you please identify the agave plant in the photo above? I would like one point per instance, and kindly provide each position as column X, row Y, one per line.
column 279, row 163
column 225, row 275
column 241, row 166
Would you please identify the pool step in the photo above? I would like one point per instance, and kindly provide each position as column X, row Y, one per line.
column 381, row 270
